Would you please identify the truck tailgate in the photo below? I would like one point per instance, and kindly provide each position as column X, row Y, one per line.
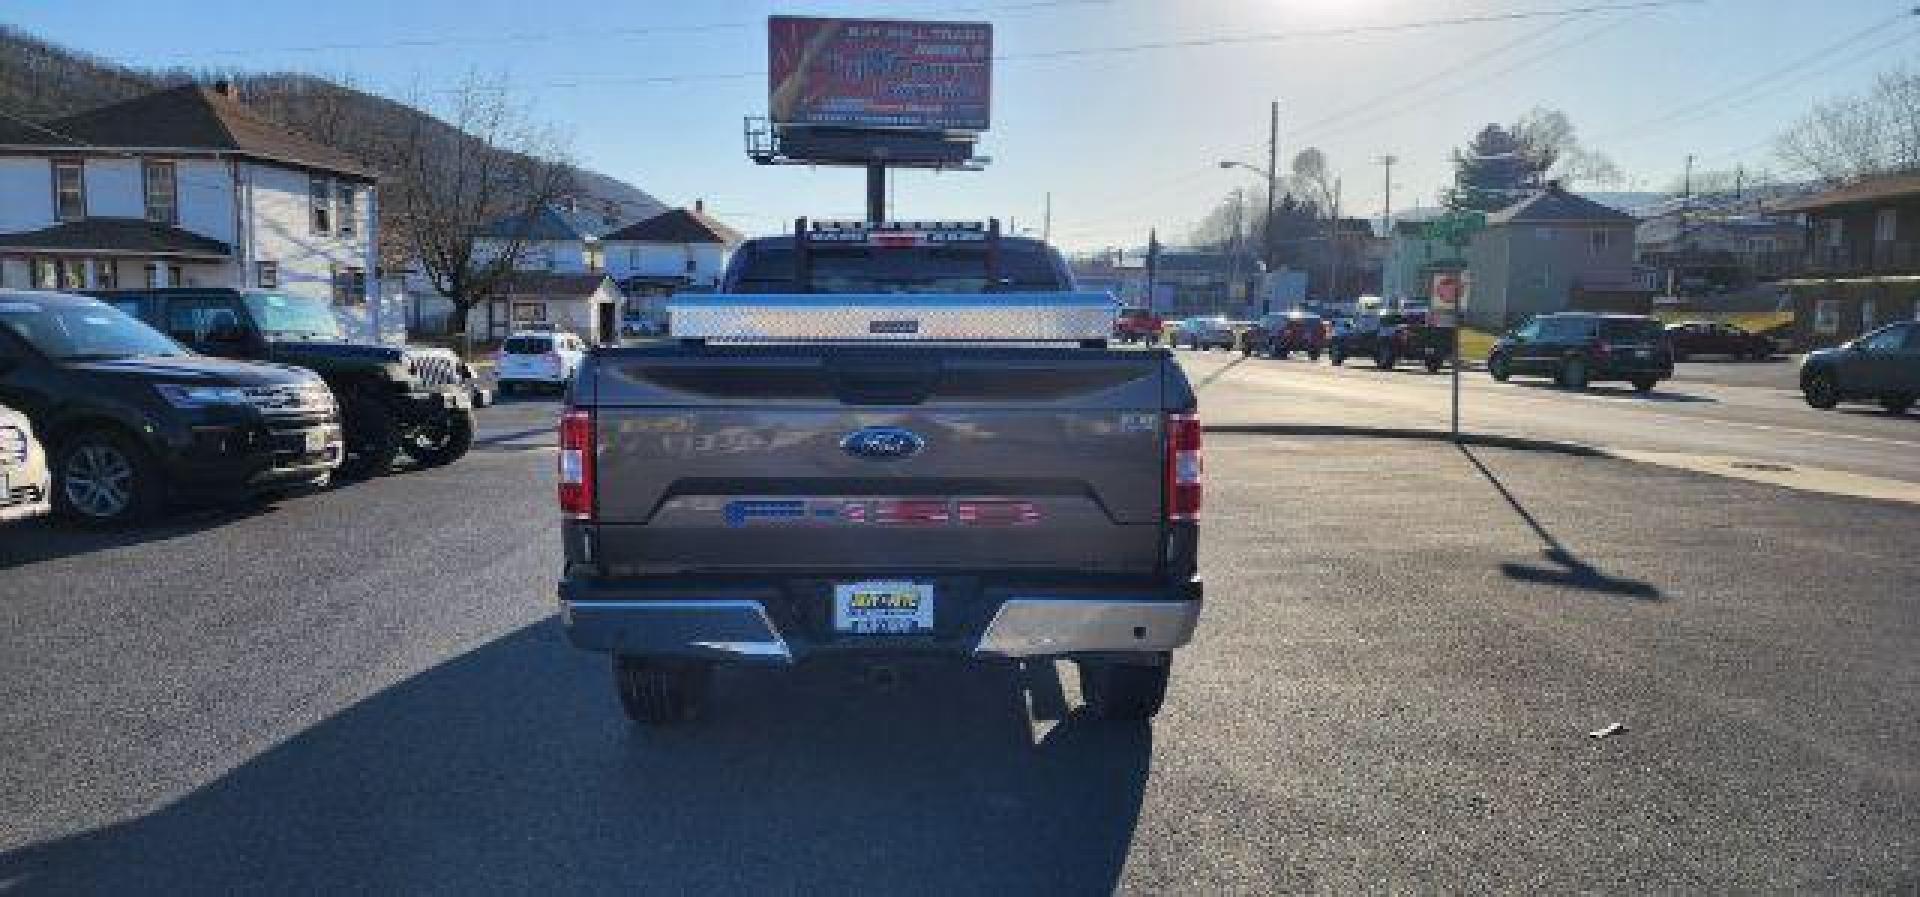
column 873, row 459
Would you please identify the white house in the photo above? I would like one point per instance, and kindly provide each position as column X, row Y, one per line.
column 183, row 187
column 563, row 238
column 675, row 250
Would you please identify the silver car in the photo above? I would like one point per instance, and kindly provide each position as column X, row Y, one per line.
column 26, row 490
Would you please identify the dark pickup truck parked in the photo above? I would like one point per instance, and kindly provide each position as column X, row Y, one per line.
column 393, row 400
column 848, row 478
column 1394, row 337
column 132, row 420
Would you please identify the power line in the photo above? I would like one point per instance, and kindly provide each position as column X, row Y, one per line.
column 1721, row 101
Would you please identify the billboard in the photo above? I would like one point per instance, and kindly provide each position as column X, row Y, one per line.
column 873, row 73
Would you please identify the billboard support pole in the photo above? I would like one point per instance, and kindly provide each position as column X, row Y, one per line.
column 876, row 192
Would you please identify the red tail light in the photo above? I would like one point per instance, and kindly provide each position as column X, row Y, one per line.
column 576, row 465
column 1184, row 480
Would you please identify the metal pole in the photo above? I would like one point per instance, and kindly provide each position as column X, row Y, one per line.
column 876, row 192
column 1273, row 185
column 1046, row 221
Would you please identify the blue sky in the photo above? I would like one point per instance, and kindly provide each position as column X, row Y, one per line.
column 1123, row 140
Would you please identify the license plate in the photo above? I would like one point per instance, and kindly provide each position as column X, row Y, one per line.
column 883, row 608
column 454, row 399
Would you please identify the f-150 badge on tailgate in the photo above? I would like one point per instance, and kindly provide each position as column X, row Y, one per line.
column 882, row 443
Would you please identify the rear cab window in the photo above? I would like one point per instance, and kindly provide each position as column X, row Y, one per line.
column 528, row 345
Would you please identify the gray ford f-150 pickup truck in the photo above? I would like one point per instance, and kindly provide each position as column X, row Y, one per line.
column 804, row 475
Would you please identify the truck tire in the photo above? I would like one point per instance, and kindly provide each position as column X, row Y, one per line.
column 1313, row 354
column 1433, row 365
column 104, row 479
column 1896, row 403
column 1383, row 358
column 1644, row 385
column 660, row 693
column 1337, row 357
column 443, row 442
column 1497, row 369
column 372, row 438
column 1124, row 691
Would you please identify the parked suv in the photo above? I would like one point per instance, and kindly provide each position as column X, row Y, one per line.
column 1577, row 348
column 1392, row 337
column 133, row 419
column 1883, row 366
column 540, row 358
column 393, row 400
column 25, row 487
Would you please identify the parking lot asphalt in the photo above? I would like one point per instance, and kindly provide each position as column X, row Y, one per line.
column 1404, row 651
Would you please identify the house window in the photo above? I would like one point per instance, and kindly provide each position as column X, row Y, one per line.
column 1836, row 232
column 692, row 266
column 69, row 190
column 1598, row 241
column 1869, row 315
column 344, row 211
column 162, row 191
column 266, row 275
column 106, row 275
column 529, row 312
column 320, row 201
column 45, row 274
column 349, row 286
column 1884, row 223
column 633, row 259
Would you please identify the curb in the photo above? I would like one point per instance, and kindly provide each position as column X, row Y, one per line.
column 1487, row 440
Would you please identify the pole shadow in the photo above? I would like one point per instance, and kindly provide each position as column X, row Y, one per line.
column 510, row 769
column 1567, row 569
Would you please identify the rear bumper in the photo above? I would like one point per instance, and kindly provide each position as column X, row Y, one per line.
column 734, row 629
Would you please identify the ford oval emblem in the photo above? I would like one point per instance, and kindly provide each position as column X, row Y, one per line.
column 882, row 443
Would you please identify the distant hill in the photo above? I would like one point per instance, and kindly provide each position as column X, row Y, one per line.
column 40, row 80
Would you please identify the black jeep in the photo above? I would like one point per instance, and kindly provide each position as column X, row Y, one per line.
column 392, row 400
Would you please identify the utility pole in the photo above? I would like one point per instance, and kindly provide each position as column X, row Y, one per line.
column 1267, row 250
column 1386, row 205
column 1333, row 245
column 1046, row 221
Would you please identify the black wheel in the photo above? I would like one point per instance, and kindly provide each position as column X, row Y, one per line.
column 104, row 479
column 443, row 441
column 372, row 438
column 1383, row 358
column 1123, row 691
column 1497, row 368
column 1313, row 354
column 1820, row 390
column 1644, row 384
column 1573, row 373
column 660, row 693
column 1679, row 356
column 1282, row 353
column 1896, row 403
column 1337, row 357
column 1433, row 365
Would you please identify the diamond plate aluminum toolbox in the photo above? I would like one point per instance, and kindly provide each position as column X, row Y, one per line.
column 893, row 317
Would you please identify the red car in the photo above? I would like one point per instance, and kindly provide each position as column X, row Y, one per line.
column 1285, row 333
column 1137, row 325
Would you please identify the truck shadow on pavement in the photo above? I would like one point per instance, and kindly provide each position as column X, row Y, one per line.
column 34, row 541
column 510, row 769
column 1568, row 570
column 1618, row 392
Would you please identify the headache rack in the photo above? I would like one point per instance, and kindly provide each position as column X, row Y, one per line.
column 987, row 317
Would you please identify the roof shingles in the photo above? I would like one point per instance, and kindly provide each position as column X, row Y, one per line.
column 188, row 117
column 676, row 226
column 1554, row 205
column 117, row 235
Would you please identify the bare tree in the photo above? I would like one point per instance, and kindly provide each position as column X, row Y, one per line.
column 1849, row 137
column 494, row 165
column 1313, row 179
column 1552, row 150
